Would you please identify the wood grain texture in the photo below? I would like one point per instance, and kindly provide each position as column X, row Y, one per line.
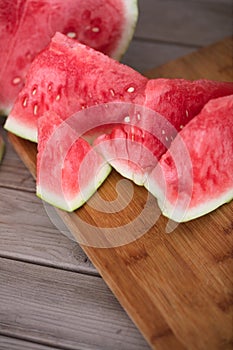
column 184, row 22
column 37, row 241
column 40, row 241
column 60, row 309
column 168, row 29
column 177, row 288
column 214, row 63
column 8, row 343
column 11, row 162
column 143, row 55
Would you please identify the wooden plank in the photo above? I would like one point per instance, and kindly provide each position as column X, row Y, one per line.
column 200, row 64
column 184, row 22
column 37, row 241
column 177, row 288
column 62, row 309
column 8, row 343
column 143, row 55
column 8, row 176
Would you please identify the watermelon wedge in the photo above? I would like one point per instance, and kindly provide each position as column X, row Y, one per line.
column 134, row 152
column 69, row 171
column 2, row 148
column 196, row 175
column 26, row 27
column 68, row 77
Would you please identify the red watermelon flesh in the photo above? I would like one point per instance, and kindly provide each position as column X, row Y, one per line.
column 68, row 77
column 26, row 27
column 68, row 170
column 133, row 152
column 196, row 175
column 180, row 100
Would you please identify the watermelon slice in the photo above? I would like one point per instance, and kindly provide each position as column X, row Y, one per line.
column 196, row 175
column 68, row 169
column 68, row 77
column 26, row 27
column 180, row 100
column 2, row 148
column 134, row 152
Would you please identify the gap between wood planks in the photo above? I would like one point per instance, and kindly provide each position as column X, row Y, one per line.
column 19, row 343
column 166, row 42
column 88, row 316
column 80, row 271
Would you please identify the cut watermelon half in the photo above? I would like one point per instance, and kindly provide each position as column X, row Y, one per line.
column 68, row 77
column 134, row 152
column 69, row 171
column 26, row 27
column 2, row 148
column 196, row 175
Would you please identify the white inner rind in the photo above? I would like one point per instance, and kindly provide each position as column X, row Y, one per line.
column 131, row 17
column 186, row 214
column 20, row 129
column 138, row 177
column 79, row 199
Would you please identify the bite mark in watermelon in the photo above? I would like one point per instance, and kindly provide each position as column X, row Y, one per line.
column 2, row 148
column 69, row 171
column 133, row 149
column 183, row 192
column 68, row 77
column 134, row 152
column 26, row 27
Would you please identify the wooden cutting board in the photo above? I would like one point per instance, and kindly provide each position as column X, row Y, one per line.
column 176, row 287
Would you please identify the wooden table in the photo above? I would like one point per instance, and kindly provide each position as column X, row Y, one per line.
column 51, row 295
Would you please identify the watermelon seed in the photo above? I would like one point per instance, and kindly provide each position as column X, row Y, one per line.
column 187, row 113
column 163, row 132
column 34, row 91
column 50, row 86
column 166, row 138
column 127, row 119
column 139, row 116
column 181, row 127
column 16, row 80
column 35, row 109
column 131, row 89
column 58, row 97
column 95, row 30
column 112, row 92
column 71, row 35
column 25, row 101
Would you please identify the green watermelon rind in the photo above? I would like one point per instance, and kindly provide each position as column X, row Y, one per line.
column 2, row 148
column 131, row 17
column 79, row 200
column 126, row 171
column 172, row 213
column 176, row 214
column 13, row 125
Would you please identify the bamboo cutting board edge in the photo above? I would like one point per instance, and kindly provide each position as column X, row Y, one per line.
column 145, row 294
